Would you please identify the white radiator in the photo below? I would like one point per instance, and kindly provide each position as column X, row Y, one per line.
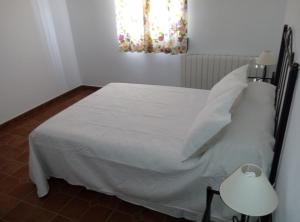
column 203, row 71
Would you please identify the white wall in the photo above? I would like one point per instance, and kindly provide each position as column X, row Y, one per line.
column 100, row 62
column 65, row 42
column 289, row 172
column 31, row 70
column 226, row 27
column 244, row 27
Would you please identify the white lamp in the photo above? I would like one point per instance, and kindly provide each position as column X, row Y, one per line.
column 249, row 192
column 266, row 59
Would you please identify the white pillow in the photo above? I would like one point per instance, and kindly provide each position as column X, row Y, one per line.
column 249, row 138
column 236, row 77
column 213, row 118
column 261, row 92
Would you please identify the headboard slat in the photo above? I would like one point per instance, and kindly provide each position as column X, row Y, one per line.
column 285, row 79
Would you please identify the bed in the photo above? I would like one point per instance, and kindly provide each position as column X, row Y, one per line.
column 127, row 140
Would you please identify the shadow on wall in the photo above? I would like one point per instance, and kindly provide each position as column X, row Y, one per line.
column 53, row 20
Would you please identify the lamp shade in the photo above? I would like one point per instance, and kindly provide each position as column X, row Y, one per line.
column 249, row 192
column 265, row 58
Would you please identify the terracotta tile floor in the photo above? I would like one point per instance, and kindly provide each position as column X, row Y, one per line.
column 64, row 203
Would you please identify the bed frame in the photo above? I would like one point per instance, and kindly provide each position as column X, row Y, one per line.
column 284, row 79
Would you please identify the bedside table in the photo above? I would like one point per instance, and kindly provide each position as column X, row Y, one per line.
column 209, row 197
column 207, row 213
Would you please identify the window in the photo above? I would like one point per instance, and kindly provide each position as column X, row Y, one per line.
column 152, row 25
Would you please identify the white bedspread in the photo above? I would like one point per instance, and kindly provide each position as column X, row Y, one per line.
column 127, row 140
column 138, row 125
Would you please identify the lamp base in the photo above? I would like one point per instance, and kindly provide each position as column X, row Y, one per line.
column 265, row 72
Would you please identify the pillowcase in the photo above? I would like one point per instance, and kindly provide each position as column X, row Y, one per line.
column 261, row 92
column 236, row 77
column 210, row 121
column 249, row 138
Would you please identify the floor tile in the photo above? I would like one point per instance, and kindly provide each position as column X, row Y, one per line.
column 75, row 209
column 22, row 173
column 151, row 216
column 117, row 217
column 7, row 184
column 61, row 219
column 24, row 157
column 91, row 197
column 9, row 152
column 22, row 130
column 30, row 124
column 24, row 146
column 4, row 131
column 96, row 213
column 12, row 140
column 27, row 213
column 59, row 185
column 53, row 201
column 22, row 190
column 2, row 163
column 108, row 201
column 10, row 167
column 7, row 203
column 46, row 114
column 129, row 208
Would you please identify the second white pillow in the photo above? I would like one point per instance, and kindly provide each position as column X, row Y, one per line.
column 236, row 77
column 210, row 121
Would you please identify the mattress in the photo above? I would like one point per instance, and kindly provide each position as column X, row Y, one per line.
column 127, row 140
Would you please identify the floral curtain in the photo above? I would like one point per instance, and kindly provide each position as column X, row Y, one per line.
column 152, row 25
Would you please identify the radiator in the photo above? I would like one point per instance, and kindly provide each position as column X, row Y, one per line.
column 203, row 71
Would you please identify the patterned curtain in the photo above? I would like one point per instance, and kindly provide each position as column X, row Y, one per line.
column 152, row 25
